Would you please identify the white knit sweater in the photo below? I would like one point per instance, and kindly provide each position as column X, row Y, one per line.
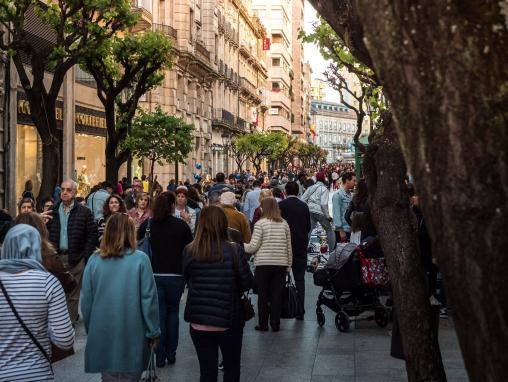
column 271, row 243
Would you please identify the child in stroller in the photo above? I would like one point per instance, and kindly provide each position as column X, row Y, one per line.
column 343, row 288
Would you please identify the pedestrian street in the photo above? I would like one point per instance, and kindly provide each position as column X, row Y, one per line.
column 300, row 352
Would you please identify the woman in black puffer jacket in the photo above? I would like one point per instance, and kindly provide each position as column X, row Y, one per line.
column 217, row 273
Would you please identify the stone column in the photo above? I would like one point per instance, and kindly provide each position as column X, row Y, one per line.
column 11, row 197
column 68, row 158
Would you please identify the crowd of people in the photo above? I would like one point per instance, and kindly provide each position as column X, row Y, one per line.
column 80, row 255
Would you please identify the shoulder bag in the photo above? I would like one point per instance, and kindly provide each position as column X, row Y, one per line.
column 25, row 328
column 144, row 243
column 245, row 302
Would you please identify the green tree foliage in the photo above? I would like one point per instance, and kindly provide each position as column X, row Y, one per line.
column 239, row 155
column 311, row 154
column 72, row 27
column 159, row 137
column 261, row 146
column 125, row 68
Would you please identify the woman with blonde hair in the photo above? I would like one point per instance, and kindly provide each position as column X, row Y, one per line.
column 119, row 305
column 271, row 247
column 142, row 210
column 217, row 273
column 258, row 212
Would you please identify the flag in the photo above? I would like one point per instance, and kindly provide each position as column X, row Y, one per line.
column 266, row 43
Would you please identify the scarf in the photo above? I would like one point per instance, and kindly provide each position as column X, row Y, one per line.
column 21, row 250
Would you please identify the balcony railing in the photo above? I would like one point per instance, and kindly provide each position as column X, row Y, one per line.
column 245, row 84
column 241, row 123
column 202, row 51
column 166, row 29
column 224, row 117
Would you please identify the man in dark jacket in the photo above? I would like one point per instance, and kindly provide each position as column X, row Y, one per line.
column 73, row 232
column 297, row 215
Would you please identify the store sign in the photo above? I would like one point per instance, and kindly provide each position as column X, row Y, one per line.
column 266, row 44
column 273, row 111
column 82, row 118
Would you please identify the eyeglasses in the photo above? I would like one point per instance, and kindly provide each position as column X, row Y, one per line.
column 49, row 205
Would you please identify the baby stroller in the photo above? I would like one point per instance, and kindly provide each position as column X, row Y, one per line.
column 353, row 280
column 317, row 250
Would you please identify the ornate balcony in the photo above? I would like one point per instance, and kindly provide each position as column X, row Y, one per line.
column 144, row 9
column 167, row 30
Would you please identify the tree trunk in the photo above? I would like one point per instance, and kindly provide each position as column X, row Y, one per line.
column 389, row 201
column 50, row 167
column 443, row 68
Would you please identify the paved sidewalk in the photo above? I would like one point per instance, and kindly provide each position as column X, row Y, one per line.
column 300, row 352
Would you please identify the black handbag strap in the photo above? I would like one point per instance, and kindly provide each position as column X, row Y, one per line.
column 235, row 258
column 25, row 328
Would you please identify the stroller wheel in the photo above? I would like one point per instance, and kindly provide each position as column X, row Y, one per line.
column 342, row 321
column 320, row 317
column 381, row 316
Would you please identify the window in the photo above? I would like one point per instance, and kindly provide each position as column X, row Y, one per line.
column 276, row 61
column 276, row 87
column 277, row 38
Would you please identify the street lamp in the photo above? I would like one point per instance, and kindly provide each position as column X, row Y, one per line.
column 226, row 138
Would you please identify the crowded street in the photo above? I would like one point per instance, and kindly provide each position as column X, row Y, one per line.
column 253, row 191
column 300, row 352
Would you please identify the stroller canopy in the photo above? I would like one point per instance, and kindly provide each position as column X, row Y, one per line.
column 340, row 255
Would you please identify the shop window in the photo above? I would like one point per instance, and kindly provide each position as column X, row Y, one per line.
column 90, row 161
column 28, row 158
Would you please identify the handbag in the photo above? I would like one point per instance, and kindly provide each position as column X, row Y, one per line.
column 290, row 302
column 374, row 272
column 25, row 328
column 144, row 243
column 149, row 374
column 248, row 312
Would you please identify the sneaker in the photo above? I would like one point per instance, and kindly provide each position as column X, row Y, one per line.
column 221, row 366
column 443, row 313
column 171, row 360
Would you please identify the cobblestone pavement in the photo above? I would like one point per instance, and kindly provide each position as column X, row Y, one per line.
column 300, row 352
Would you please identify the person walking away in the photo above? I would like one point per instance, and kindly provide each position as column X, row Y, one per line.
column 296, row 214
column 220, row 183
column 360, row 205
column 112, row 205
column 236, row 219
column 168, row 237
column 39, row 300
column 95, row 201
column 119, row 305
column 265, row 193
column 271, row 247
column 316, row 197
column 252, row 200
column 340, row 203
column 73, row 232
column 217, row 274
column 182, row 210
column 142, row 210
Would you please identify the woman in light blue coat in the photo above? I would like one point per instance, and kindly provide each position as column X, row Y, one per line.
column 119, row 305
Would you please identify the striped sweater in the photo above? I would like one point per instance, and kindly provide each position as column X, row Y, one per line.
column 271, row 243
column 40, row 302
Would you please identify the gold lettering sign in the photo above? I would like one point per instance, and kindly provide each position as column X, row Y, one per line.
column 80, row 118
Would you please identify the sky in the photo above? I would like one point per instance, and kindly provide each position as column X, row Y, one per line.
column 312, row 55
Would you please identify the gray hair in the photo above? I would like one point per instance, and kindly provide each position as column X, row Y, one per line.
column 74, row 185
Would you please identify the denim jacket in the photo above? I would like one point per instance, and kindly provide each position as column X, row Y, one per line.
column 340, row 203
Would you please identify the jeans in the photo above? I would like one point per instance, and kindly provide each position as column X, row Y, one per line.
column 299, row 269
column 169, row 292
column 325, row 223
column 207, row 346
column 73, row 297
column 270, row 280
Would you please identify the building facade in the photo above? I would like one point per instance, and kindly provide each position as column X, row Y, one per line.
column 276, row 16
column 217, row 81
column 335, row 127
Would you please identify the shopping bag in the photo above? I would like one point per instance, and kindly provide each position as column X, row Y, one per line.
column 290, row 305
column 149, row 374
